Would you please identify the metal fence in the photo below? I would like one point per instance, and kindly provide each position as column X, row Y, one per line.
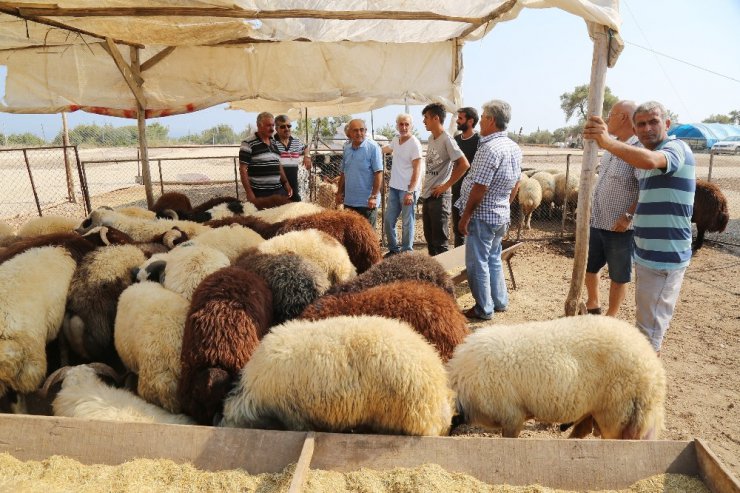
column 67, row 181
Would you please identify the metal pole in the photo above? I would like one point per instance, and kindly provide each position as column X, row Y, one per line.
column 30, row 177
column 67, row 166
column 161, row 180
column 83, row 183
column 565, row 198
column 236, row 176
column 711, row 163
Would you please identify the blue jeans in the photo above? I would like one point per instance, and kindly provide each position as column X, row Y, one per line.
column 484, row 266
column 393, row 209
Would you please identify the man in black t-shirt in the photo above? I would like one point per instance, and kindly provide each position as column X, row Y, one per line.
column 467, row 119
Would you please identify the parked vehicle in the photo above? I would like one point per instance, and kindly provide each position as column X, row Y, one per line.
column 730, row 145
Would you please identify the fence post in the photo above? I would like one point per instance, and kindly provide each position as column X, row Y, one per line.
column 83, row 182
column 236, row 177
column 67, row 167
column 33, row 185
column 711, row 163
column 565, row 198
column 161, row 180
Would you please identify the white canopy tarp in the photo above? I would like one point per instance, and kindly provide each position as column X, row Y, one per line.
column 279, row 55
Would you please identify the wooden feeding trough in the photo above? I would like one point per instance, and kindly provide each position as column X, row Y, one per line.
column 454, row 261
column 556, row 463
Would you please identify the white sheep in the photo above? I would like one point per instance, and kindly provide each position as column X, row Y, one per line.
column 229, row 209
column 231, row 240
column 321, row 248
column 136, row 212
column 84, row 395
column 565, row 192
column 33, row 292
column 148, row 338
column 287, row 211
column 340, row 374
column 7, row 234
column 529, row 197
column 45, row 225
column 181, row 269
column 97, row 283
column 547, row 183
column 572, row 369
column 140, row 230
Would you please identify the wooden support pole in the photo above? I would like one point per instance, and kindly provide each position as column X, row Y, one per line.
column 573, row 303
column 133, row 80
column 157, row 58
column 67, row 165
column 303, row 464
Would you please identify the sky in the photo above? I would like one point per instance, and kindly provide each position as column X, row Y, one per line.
column 683, row 53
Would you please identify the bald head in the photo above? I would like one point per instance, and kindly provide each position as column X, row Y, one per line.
column 620, row 119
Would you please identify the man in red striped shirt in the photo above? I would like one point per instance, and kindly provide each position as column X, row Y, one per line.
column 294, row 157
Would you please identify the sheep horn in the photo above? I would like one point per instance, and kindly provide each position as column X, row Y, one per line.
column 106, row 371
column 54, row 378
column 169, row 213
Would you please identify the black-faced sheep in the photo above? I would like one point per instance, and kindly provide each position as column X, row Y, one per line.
column 182, row 269
column 402, row 267
column 76, row 245
column 99, row 280
column 148, row 333
column 33, row 293
column 139, row 229
column 317, row 246
column 568, row 370
column 46, row 225
column 427, row 308
column 341, row 374
column 230, row 312
column 295, row 282
column 350, row 229
column 263, row 228
column 710, row 211
column 102, row 236
column 84, row 395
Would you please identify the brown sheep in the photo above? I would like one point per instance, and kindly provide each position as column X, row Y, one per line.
column 76, row 245
column 272, row 201
column 230, row 312
column 350, row 229
column 402, row 267
column 427, row 308
column 710, row 211
column 174, row 201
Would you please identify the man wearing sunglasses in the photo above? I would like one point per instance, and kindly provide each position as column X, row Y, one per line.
column 294, row 157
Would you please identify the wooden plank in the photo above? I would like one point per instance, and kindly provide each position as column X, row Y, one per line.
column 155, row 59
column 101, row 442
column 714, row 474
column 126, row 72
column 566, row 464
column 453, row 262
column 301, row 468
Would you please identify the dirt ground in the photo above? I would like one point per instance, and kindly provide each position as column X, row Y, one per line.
column 701, row 351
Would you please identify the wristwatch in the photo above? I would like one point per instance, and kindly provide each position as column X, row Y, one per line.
column 628, row 215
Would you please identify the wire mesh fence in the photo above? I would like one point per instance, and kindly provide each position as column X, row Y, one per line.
column 69, row 181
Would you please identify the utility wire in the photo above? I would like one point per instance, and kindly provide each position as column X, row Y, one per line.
column 683, row 61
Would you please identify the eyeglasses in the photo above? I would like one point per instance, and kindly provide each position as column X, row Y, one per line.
column 358, row 130
column 286, row 126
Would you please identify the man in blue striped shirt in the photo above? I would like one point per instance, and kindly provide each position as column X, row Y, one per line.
column 487, row 190
column 666, row 173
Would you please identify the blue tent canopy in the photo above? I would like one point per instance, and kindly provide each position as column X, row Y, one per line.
column 704, row 135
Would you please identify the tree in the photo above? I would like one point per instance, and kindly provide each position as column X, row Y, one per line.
column 387, row 130
column 220, row 134
column 718, row 119
column 25, row 140
column 576, row 102
column 673, row 117
column 735, row 115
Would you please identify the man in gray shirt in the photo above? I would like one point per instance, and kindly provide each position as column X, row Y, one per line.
column 436, row 194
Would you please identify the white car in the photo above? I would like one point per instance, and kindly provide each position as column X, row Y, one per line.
column 730, row 145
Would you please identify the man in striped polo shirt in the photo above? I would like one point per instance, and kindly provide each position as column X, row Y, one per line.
column 260, row 170
column 294, row 157
column 666, row 173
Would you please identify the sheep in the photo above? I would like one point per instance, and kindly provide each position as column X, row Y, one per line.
column 287, row 211
column 222, row 210
column 350, row 229
column 271, row 201
column 529, row 197
column 175, row 205
column 431, row 311
column 99, row 280
column 547, row 183
column 148, row 333
column 317, row 246
column 326, row 194
column 84, row 395
column 181, row 269
column 7, row 235
column 102, row 236
column 404, row 266
column 172, row 201
column 136, row 213
column 566, row 194
column 76, row 245
column 140, row 230
column 230, row 312
column 232, row 240
column 572, row 369
column 33, row 292
column 45, row 225
column 710, row 211
column 264, row 229
column 340, row 374
column 295, row 282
